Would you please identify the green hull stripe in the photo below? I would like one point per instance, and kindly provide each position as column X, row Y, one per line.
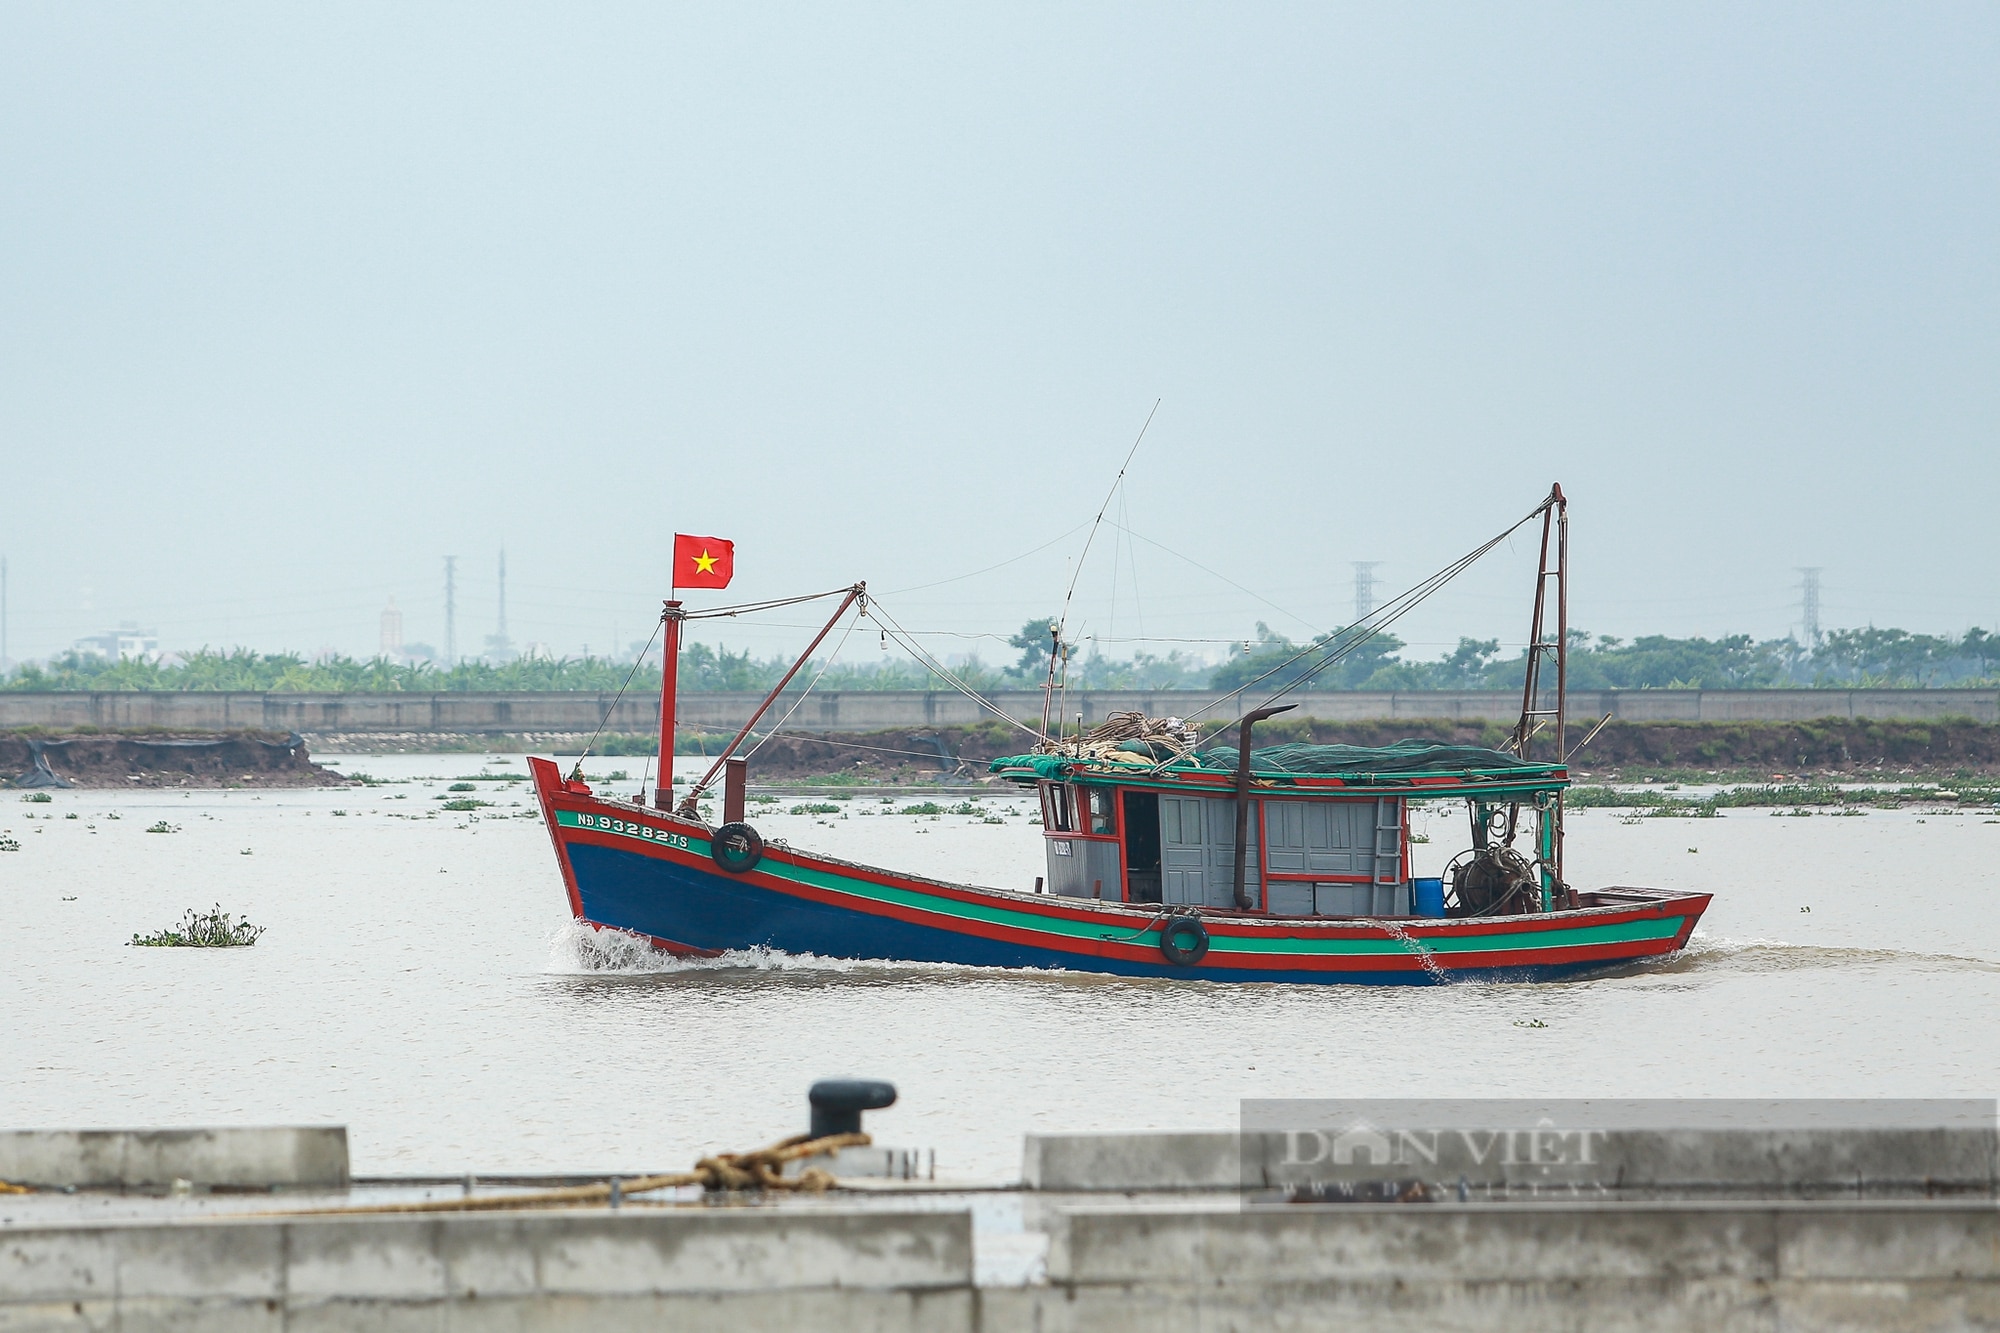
column 1655, row 928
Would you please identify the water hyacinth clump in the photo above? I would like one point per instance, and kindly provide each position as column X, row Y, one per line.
column 203, row 930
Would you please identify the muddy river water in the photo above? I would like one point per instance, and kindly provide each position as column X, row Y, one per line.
column 418, row 981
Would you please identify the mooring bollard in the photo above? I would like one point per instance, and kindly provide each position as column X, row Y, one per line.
column 837, row 1103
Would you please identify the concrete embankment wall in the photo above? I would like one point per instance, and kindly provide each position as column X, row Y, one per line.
column 1711, row 1267
column 855, row 711
column 1717, row 1268
column 730, row 1270
column 1152, row 1264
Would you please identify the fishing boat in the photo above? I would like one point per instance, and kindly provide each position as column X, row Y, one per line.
column 1168, row 855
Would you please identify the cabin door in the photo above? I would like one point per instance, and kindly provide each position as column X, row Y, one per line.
column 1142, row 846
column 1198, row 852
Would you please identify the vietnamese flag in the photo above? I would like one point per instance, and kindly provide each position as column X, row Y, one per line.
column 703, row 562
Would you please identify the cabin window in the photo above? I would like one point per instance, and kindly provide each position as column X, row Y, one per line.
column 1058, row 815
column 1099, row 799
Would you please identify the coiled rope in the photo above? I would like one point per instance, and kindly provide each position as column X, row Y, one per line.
column 762, row 1169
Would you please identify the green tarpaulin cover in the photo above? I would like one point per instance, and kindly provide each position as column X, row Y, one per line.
column 1349, row 761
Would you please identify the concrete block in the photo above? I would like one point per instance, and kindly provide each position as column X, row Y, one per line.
column 1416, row 1243
column 1802, row 1159
column 180, row 1315
column 1386, row 1305
column 69, row 1265
column 1888, row 1307
column 837, row 1267
column 58, row 1316
column 1188, row 1160
column 242, row 1261
column 375, row 1258
column 1703, row 1160
column 311, row 1156
column 1948, row 1240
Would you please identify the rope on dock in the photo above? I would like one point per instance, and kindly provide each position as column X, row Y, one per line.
column 762, row 1169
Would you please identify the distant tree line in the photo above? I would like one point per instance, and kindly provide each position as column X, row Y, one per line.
column 1843, row 659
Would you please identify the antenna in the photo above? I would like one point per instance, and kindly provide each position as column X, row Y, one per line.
column 1062, row 623
column 450, row 612
column 1811, row 603
column 1364, row 588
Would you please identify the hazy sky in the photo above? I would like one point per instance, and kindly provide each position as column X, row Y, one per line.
column 297, row 300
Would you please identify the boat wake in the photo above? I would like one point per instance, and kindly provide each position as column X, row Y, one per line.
column 577, row 949
column 1709, row 954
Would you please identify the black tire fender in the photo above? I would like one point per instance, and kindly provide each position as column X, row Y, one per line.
column 1184, row 940
column 736, row 848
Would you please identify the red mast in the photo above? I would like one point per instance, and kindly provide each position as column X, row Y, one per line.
column 670, row 669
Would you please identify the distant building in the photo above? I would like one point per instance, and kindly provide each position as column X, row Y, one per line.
column 127, row 641
column 392, row 630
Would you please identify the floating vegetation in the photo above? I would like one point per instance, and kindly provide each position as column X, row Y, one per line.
column 203, row 930
column 1797, row 795
column 922, row 808
column 461, row 786
column 464, row 804
column 1683, row 810
column 9, row 845
column 162, row 827
column 1529, row 1023
column 38, row 798
column 966, row 808
column 821, row 808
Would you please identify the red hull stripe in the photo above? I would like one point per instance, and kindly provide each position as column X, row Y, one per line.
column 1605, row 934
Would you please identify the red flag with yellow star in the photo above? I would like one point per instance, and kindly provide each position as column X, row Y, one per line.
column 703, row 562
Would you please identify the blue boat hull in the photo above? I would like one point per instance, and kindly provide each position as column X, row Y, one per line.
column 710, row 911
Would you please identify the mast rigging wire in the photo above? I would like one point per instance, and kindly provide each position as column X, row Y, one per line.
column 749, row 608
column 824, row 668
column 1346, row 641
column 916, row 650
column 577, row 772
column 1058, row 656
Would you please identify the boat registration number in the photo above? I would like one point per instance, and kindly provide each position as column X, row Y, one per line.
column 631, row 830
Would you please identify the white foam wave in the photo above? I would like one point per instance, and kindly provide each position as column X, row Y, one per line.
column 580, row 948
column 1705, row 952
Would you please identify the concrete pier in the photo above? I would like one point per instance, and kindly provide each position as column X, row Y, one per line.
column 1911, row 1243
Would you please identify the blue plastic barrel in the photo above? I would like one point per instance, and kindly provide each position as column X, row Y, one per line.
column 1427, row 897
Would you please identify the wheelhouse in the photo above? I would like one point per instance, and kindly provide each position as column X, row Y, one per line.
column 1326, row 830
